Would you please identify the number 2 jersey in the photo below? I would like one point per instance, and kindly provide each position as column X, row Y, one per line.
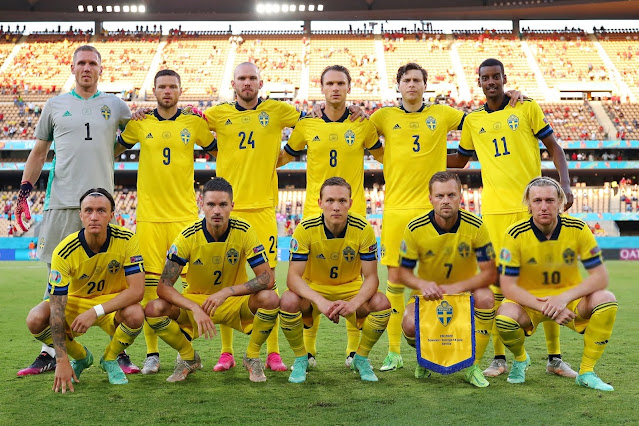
column 548, row 266
column 77, row 271
column 507, row 146
column 165, row 176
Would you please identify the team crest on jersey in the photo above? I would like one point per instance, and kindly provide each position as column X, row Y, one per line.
column 505, row 255
column 186, row 136
column 513, row 122
column 114, row 266
column 382, row 250
column 232, row 256
column 444, row 313
column 41, row 243
column 349, row 254
column 431, row 123
column 350, row 137
column 264, row 118
column 463, row 249
column 569, row 256
column 294, row 245
column 490, row 251
column 106, row 112
column 55, row 277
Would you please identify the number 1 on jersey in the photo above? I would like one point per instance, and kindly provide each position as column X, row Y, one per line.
column 88, row 138
column 503, row 141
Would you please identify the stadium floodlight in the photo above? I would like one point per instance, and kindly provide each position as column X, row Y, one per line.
column 89, row 8
column 311, row 8
column 302, row 8
column 98, row 8
column 116, row 9
column 80, row 8
column 285, row 8
column 125, row 9
column 259, row 8
column 276, row 8
column 142, row 8
column 134, row 9
column 292, row 8
column 109, row 9
column 320, row 7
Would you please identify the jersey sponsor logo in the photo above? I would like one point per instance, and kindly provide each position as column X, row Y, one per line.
column 431, row 122
column 532, row 261
column 198, row 262
column 185, row 135
column 166, row 135
column 513, row 122
column 569, row 256
column 333, row 137
column 505, row 255
column 264, row 118
column 232, row 256
column 173, row 250
column 136, row 259
column 350, row 137
column 445, row 313
column 463, row 249
column 396, row 127
column 149, row 136
column 66, row 114
column 84, row 277
column 294, row 245
column 106, row 112
column 316, row 139
column 55, row 277
column 320, row 256
column 113, row 267
column 258, row 249
column 481, row 131
column 349, row 254
column 228, row 122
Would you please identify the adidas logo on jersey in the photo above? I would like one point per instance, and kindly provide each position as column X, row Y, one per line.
column 482, row 131
column 84, row 277
column 66, row 114
column 198, row 262
column 320, row 256
column 316, row 139
column 149, row 136
column 228, row 122
column 532, row 261
column 430, row 253
column 396, row 127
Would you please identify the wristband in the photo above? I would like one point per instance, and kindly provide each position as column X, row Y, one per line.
column 99, row 310
column 26, row 186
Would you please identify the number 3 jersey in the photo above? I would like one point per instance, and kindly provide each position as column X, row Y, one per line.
column 77, row 271
column 507, row 146
column 548, row 266
column 214, row 265
column 165, row 176
column 445, row 257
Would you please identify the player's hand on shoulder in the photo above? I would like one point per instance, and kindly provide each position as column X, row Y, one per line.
column 431, row 291
column 357, row 112
column 140, row 113
column 84, row 321
column 63, row 375
column 317, row 111
column 569, row 196
column 515, row 96
column 191, row 109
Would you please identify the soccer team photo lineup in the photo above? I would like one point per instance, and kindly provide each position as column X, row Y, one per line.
column 461, row 205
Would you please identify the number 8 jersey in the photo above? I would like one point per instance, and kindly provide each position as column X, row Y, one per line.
column 507, row 146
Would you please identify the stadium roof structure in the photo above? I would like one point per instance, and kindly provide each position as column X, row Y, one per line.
column 247, row 10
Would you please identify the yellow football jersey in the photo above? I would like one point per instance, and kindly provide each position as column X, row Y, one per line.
column 507, row 146
column 78, row 271
column 334, row 148
column 547, row 266
column 333, row 260
column 165, row 176
column 214, row 265
column 445, row 257
column 248, row 145
column 414, row 150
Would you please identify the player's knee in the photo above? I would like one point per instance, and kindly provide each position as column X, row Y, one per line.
column 290, row 302
column 38, row 317
column 408, row 322
column 156, row 308
column 133, row 316
column 602, row 296
column 484, row 298
column 509, row 310
column 379, row 302
column 268, row 299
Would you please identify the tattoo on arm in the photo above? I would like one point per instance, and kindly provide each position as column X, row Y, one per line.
column 58, row 324
column 171, row 273
column 258, row 283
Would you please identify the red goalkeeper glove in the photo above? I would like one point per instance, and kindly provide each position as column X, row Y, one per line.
column 23, row 206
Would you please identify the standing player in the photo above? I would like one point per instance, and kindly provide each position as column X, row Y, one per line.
column 505, row 139
column 166, row 198
column 96, row 279
column 329, row 253
column 449, row 244
column 217, row 249
column 335, row 147
column 542, row 282
column 249, row 138
column 84, row 124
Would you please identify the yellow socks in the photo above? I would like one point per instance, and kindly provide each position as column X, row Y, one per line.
column 150, row 293
column 395, row 294
column 226, row 336
column 169, row 331
column 291, row 323
column 512, row 335
column 597, row 334
column 263, row 324
column 374, row 326
column 122, row 339
column 484, row 319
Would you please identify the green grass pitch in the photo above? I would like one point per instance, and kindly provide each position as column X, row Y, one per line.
column 332, row 394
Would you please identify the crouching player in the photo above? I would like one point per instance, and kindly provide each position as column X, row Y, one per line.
column 541, row 282
column 97, row 278
column 216, row 249
column 329, row 253
column 449, row 243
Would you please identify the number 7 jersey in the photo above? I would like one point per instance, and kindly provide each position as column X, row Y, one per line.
column 507, row 146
